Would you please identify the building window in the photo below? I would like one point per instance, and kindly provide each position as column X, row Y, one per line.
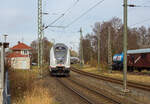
column 24, row 52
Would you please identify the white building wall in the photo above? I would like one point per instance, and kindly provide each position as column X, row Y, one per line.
column 20, row 63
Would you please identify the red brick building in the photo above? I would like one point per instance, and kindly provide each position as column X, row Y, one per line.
column 20, row 56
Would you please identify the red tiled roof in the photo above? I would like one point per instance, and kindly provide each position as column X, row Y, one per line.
column 14, row 54
column 21, row 46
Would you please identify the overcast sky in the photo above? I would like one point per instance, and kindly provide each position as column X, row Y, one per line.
column 18, row 18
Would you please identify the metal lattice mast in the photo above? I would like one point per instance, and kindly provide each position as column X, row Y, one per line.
column 109, row 50
column 42, row 45
column 40, row 28
column 81, row 47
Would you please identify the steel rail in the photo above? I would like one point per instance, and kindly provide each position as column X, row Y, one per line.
column 113, row 80
column 112, row 100
column 76, row 92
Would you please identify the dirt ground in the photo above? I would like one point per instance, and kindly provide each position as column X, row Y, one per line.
column 117, row 74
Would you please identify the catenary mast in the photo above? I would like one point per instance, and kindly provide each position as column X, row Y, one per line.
column 40, row 36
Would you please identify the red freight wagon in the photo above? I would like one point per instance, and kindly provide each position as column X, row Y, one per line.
column 138, row 59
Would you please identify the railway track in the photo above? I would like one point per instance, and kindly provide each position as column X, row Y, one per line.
column 99, row 97
column 113, row 80
column 76, row 92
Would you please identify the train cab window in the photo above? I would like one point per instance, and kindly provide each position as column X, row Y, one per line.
column 60, row 52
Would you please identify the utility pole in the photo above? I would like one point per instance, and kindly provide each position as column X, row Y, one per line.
column 109, row 51
column 40, row 36
column 81, row 48
column 42, row 44
column 98, row 44
column 125, row 47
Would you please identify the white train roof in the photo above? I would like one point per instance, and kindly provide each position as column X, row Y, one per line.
column 147, row 50
column 60, row 44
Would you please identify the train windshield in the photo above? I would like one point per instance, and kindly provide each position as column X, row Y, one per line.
column 60, row 52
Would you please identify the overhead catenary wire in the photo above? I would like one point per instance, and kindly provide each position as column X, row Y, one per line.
column 146, row 2
column 54, row 21
column 140, row 1
column 63, row 14
column 137, row 6
column 132, row 5
column 140, row 22
column 68, row 10
column 64, row 31
column 85, row 13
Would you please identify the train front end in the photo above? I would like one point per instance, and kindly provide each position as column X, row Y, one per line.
column 60, row 60
column 118, row 61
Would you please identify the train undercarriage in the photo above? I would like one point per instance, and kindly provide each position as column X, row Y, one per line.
column 60, row 71
column 119, row 66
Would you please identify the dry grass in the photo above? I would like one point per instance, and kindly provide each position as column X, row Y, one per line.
column 37, row 95
column 135, row 78
column 26, row 88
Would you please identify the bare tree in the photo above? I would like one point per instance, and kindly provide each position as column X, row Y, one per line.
column 46, row 50
column 137, row 38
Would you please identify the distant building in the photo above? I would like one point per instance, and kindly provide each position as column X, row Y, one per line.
column 20, row 56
